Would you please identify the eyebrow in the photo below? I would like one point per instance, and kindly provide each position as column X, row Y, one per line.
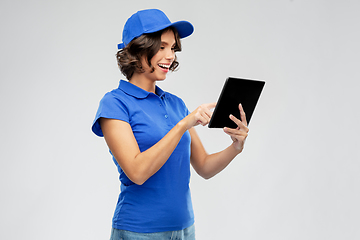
column 165, row 43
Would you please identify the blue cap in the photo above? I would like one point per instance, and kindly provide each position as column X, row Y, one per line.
column 150, row 21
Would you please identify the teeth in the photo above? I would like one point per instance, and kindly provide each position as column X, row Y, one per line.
column 164, row 66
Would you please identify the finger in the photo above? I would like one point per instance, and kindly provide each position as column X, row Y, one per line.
column 239, row 123
column 236, row 120
column 210, row 105
column 238, row 137
column 206, row 108
column 235, row 132
column 242, row 115
column 208, row 112
column 203, row 120
column 206, row 115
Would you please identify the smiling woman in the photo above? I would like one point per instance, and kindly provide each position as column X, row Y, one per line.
column 151, row 137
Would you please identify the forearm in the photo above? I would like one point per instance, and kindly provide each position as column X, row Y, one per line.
column 207, row 165
column 147, row 163
column 215, row 163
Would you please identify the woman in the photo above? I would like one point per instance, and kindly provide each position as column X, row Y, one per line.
column 151, row 137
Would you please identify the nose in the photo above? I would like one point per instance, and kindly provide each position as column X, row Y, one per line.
column 170, row 55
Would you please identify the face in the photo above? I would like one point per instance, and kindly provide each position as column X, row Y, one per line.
column 163, row 59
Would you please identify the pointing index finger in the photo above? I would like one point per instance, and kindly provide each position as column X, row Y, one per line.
column 211, row 105
column 242, row 115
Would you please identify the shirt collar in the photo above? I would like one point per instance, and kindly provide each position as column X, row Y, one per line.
column 137, row 92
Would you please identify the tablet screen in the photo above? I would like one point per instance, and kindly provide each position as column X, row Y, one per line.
column 236, row 91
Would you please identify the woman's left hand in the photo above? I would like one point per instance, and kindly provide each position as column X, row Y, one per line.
column 239, row 134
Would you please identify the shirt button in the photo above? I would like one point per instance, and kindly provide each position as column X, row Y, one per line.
column 166, row 116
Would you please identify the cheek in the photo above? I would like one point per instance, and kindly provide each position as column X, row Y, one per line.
column 145, row 65
column 157, row 58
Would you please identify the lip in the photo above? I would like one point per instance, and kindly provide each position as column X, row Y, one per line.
column 164, row 69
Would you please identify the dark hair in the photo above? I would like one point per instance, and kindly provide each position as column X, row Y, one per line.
column 129, row 58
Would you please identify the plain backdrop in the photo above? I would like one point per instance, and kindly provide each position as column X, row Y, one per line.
column 298, row 175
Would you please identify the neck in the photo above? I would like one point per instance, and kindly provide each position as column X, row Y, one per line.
column 142, row 82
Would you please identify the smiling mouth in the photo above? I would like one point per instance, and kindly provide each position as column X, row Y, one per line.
column 164, row 66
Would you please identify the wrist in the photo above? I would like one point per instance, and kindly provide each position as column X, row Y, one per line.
column 236, row 148
column 182, row 125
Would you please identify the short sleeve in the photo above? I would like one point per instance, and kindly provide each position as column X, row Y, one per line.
column 187, row 112
column 109, row 107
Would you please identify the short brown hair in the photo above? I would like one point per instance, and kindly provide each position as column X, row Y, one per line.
column 129, row 58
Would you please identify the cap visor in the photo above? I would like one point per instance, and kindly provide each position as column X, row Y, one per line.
column 184, row 28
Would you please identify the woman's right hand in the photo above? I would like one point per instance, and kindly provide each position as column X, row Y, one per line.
column 201, row 115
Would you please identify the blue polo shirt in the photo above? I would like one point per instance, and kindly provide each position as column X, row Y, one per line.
column 163, row 202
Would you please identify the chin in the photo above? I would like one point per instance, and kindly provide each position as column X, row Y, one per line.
column 161, row 78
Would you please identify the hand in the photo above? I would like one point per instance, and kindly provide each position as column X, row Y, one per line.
column 239, row 134
column 201, row 115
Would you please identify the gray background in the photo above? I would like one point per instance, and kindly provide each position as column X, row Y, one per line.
column 298, row 175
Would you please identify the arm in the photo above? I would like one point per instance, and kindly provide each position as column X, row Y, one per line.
column 139, row 166
column 207, row 165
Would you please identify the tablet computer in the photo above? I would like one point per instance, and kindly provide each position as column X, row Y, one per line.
column 236, row 91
